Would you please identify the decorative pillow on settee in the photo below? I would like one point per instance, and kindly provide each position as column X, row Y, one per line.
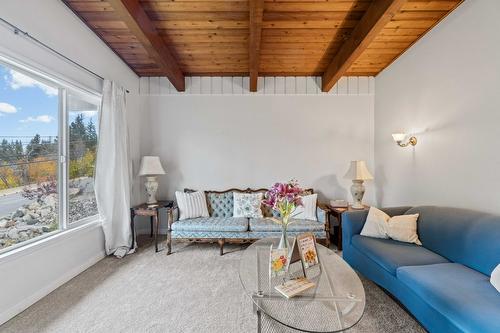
column 220, row 204
column 308, row 209
column 191, row 205
column 247, row 205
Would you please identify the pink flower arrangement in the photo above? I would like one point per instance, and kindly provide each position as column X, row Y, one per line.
column 284, row 198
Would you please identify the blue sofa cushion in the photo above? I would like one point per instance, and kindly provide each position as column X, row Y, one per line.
column 297, row 225
column 463, row 295
column 460, row 235
column 391, row 254
column 224, row 224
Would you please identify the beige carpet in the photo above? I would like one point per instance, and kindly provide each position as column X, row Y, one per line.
column 192, row 290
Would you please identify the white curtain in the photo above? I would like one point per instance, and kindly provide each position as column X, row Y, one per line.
column 113, row 171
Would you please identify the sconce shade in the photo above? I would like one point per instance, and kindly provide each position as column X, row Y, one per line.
column 398, row 137
column 150, row 166
column 358, row 171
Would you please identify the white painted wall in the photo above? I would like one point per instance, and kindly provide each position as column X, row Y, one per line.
column 26, row 278
column 221, row 139
column 446, row 89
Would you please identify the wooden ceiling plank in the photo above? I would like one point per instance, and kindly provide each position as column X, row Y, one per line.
column 395, row 38
column 201, row 24
column 256, row 9
column 324, row 6
column 309, row 24
column 402, row 32
column 203, row 36
column 90, row 6
column 421, row 15
column 138, row 22
column 388, row 45
column 312, row 16
column 196, row 6
column 430, row 5
column 376, row 17
column 197, row 16
column 420, row 24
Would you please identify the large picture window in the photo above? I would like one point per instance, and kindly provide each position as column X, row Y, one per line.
column 48, row 147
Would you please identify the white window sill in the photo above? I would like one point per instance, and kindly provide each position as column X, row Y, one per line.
column 49, row 240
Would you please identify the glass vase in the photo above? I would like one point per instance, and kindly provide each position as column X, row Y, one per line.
column 284, row 237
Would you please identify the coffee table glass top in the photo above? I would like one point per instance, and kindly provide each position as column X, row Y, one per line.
column 335, row 304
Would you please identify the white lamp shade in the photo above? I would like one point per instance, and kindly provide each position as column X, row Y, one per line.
column 398, row 137
column 150, row 166
column 358, row 171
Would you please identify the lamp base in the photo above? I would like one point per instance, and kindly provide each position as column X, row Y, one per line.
column 151, row 188
column 357, row 191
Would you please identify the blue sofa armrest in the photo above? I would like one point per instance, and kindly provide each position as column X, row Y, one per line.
column 352, row 224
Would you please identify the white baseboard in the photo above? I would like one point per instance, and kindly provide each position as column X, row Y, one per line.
column 27, row 302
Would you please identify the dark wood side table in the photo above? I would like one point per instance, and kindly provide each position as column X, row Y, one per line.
column 337, row 212
column 153, row 211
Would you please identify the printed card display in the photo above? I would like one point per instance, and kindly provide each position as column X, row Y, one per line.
column 307, row 249
column 278, row 262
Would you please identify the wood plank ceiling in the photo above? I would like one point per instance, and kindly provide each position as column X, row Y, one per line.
column 331, row 38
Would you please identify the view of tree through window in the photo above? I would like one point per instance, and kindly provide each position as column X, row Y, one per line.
column 82, row 115
column 31, row 148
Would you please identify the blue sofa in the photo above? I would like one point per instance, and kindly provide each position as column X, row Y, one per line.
column 445, row 282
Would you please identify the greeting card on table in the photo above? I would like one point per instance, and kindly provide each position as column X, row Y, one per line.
column 278, row 264
column 307, row 249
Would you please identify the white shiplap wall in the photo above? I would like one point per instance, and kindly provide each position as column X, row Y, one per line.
column 270, row 85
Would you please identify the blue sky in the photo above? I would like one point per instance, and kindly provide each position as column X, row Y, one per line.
column 28, row 107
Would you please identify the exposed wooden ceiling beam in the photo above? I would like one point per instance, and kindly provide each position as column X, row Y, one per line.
column 138, row 22
column 256, row 10
column 373, row 21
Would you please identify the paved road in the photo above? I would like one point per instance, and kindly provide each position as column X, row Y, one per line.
column 10, row 202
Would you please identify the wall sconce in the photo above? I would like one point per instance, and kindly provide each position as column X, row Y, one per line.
column 400, row 137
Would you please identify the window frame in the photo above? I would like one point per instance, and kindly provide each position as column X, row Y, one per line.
column 64, row 87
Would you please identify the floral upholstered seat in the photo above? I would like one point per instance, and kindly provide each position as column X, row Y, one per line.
column 220, row 224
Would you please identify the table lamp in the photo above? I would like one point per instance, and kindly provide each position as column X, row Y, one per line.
column 151, row 167
column 358, row 173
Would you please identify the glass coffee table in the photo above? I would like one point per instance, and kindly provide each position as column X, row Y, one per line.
column 335, row 304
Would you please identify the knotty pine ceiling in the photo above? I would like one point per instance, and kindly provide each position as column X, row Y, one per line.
column 290, row 38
